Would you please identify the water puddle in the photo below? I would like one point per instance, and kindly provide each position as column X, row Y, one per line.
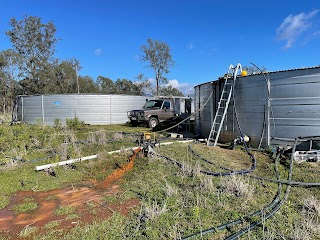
column 86, row 200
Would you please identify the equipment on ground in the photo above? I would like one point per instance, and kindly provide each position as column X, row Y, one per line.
column 145, row 140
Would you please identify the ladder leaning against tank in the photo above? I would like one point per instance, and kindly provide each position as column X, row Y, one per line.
column 223, row 104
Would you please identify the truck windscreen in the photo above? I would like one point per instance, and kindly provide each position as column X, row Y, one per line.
column 153, row 104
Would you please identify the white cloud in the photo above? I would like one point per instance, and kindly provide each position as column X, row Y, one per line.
column 98, row 51
column 185, row 88
column 294, row 26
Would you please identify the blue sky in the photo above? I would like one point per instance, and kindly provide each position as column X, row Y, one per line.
column 205, row 36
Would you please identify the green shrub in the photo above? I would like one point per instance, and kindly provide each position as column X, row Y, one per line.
column 74, row 123
column 57, row 123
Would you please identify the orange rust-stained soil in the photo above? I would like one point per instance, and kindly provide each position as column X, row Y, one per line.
column 87, row 202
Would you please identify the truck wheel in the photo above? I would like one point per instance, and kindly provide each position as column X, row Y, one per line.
column 153, row 122
column 134, row 124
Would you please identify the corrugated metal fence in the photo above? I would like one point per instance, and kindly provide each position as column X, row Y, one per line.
column 92, row 109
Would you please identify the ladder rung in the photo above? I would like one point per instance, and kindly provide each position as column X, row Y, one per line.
column 222, row 110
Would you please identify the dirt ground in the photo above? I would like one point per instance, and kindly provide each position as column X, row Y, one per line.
column 86, row 198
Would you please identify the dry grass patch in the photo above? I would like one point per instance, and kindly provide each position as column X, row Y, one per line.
column 153, row 210
column 237, row 185
column 312, row 204
column 206, row 183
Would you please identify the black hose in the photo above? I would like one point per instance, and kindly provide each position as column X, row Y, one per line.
column 205, row 160
column 241, row 134
column 215, row 174
column 231, row 172
column 275, row 209
column 263, row 218
column 256, row 213
column 292, row 183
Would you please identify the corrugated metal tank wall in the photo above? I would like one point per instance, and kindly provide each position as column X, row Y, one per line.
column 294, row 100
column 249, row 106
column 295, row 105
column 92, row 109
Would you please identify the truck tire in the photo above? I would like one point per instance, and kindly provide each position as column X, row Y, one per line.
column 134, row 124
column 153, row 122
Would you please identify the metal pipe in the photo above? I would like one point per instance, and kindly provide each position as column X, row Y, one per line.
column 42, row 108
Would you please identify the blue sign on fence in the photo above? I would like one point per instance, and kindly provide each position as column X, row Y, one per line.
column 57, row 103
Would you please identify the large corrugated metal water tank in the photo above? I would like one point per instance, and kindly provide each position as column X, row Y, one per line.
column 272, row 108
column 92, row 109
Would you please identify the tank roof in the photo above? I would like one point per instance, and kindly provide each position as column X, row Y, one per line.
column 254, row 74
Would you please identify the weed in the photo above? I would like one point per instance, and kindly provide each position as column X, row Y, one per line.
column 52, row 224
column 154, row 210
column 64, row 210
column 57, row 124
column 237, row 185
column 28, row 199
column 170, row 190
column 302, row 230
column 206, row 183
column 92, row 138
column 102, row 137
column 74, row 123
column 91, row 205
column 25, row 207
column 187, row 169
column 312, row 204
column 111, row 198
column 27, row 231
column 72, row 216
column 117, row 135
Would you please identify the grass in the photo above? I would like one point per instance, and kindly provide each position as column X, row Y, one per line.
column 64, row 210
column 25, row 207
column 27, row 231
column 20, row 175
column 174, row 202
column 52, row 224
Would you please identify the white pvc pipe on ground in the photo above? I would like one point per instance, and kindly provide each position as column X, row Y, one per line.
column 42, row 167
column 46, row 166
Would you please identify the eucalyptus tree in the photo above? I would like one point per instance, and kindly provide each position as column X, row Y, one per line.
column 9, row 74
column 105, row 85
column 125, row 86
column 87, row 85
column 157, row 55
column 62, row 77
column 34, row 43
column 170, row 91
column 144, row 86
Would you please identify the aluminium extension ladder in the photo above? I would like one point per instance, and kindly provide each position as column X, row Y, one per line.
column 223, row 104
